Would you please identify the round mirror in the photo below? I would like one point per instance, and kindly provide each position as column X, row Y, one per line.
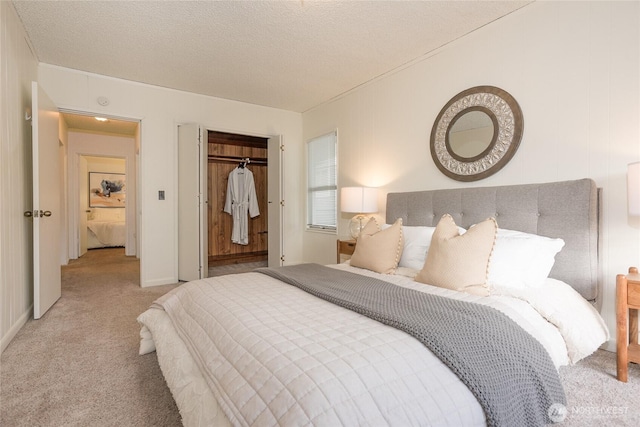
column 476, row 133
column 470, row 134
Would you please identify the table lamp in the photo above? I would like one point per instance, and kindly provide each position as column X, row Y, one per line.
column 358, row 200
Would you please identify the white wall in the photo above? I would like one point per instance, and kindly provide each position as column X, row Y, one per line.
column 160, row 111
column 106, row 164
column 574, row 69
column 18, row 67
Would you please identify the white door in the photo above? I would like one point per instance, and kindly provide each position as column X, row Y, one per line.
column 83, row 185
column 46, row 213
column 192, row 203
column 276, row 201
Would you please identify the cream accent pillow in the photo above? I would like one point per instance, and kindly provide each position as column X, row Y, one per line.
column 377, row 250
column 460, row 262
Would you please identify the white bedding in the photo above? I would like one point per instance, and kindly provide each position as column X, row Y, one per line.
column 198, row 406
column 106, row 233
column 276, row 355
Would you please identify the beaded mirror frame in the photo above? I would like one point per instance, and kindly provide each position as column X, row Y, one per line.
column 508, row 127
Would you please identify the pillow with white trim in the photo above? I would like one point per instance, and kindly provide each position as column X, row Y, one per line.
column 459, row 261
column 379, row 250
column 522, row 260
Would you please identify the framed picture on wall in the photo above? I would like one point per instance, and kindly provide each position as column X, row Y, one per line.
column 107, row 190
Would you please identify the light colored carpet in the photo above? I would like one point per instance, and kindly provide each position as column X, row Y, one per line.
column 79, row 364
column 596, row 398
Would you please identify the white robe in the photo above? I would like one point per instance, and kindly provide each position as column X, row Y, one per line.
column 241, row 198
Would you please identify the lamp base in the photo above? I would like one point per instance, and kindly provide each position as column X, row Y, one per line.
column 356, row 225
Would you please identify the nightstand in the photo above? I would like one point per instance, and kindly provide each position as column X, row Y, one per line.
column 627, row 306
column 345, row 247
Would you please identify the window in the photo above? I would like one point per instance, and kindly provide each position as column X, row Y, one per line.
column 322, row 186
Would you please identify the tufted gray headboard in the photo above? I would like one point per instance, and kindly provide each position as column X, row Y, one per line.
column 567, row 209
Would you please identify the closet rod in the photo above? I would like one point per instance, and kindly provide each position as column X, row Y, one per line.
column 236, row 159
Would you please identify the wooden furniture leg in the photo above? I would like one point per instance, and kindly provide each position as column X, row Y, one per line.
column 621, row 322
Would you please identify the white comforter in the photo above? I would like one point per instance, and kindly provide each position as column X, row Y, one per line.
column 270, row 354
column 109, row 233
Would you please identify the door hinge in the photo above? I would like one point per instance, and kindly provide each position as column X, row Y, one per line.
column 282, row 202
column 281, row 147
column 282, row 258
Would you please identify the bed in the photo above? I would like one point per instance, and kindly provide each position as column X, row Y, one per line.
column 249, row 349
column 106, row 228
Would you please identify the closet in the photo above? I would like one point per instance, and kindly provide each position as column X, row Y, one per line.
column 225, row 152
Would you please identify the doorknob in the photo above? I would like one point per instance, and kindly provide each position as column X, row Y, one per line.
column 36, row 214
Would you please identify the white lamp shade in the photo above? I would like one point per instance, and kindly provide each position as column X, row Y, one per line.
column 633, row 188
column 359, row 200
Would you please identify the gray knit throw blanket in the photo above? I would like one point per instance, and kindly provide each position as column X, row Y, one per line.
column 507, row 370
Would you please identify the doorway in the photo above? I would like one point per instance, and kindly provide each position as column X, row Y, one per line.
column 237, row 237
column 199, row 199
column 101, row 184
column 102, row 212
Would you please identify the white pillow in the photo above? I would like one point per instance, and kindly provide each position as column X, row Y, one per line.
column 417, row 240
column 416, row 245
column 521, row 260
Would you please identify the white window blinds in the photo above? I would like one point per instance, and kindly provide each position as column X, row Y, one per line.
column 322, row 183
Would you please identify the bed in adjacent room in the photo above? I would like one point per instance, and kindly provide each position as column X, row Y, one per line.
column 106, row 228
column 373, row 341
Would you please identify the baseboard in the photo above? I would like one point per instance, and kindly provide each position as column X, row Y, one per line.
column 4, row 342
column 159, row 282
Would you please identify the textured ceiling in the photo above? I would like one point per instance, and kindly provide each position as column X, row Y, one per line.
column 292, row 55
